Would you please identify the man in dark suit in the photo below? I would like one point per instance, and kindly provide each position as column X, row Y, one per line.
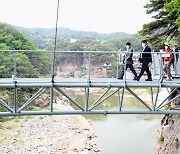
column 145, row 59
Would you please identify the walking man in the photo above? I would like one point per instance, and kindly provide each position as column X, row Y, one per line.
column 145, row 59
column 176, row 53
column 128, row 61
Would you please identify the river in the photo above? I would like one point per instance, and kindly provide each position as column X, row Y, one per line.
column 123, row 134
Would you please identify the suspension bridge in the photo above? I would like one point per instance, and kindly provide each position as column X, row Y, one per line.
column 89, row 72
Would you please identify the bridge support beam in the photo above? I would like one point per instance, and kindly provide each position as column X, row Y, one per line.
column 87, row 107
column 76, row 112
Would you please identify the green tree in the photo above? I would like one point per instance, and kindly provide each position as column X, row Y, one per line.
column 173, row 8
column 3, row 46
column 12, row 39
column 165, row 26
column 120, row 42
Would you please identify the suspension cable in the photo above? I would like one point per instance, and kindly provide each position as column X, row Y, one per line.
column 55, row 43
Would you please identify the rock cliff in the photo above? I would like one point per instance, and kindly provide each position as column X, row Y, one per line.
column 169, row 140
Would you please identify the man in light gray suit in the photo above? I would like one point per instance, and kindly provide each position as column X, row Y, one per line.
column 128, row 61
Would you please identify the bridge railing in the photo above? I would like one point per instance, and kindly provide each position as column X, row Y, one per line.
column 87, row 64
column 158, row 63
column 108, row 64
column 78, row 64
column 25, row 64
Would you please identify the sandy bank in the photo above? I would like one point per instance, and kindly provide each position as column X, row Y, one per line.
column 48, row 134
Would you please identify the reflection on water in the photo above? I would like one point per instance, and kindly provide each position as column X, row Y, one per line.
column 123, row 134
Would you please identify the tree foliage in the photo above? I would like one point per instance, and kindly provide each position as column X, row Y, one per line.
column 173, row 7
column 14, row 39
column 165, row 26
column 28, row 63
column 92, row 44
column 44, row 39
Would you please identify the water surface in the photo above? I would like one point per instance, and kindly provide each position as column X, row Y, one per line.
column 123, row 134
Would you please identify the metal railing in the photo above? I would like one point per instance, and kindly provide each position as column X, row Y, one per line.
column 77, row 64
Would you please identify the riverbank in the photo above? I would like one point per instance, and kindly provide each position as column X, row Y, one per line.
column 48, row 134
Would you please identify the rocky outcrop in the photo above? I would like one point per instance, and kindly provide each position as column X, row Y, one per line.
column 169, row 140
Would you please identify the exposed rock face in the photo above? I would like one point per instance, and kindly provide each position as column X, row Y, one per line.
column 169, row 140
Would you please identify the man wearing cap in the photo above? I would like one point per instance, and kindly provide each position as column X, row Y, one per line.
column 128, row 61
column 145, row 59
column 168, row 60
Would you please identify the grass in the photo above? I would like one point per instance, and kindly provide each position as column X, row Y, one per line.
column 9, row 127
column 36, row 109
column 4, row 119
column 161, row 138
column 29, row 117
column 41, row 118
column 170, row 120
column 176, row 142
column 16, row 120
column 167, row 107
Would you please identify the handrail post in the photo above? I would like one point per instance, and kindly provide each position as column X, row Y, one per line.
column 117, row 67
column 15, row 64
column 89, row 65
column 178, row 64
column 175, row 63
column 15, row 97
column 154, row 63
column 161, row 67
column 125, row 62
column 51, row 98
column 84, row 68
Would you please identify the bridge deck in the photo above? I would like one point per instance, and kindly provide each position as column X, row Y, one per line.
column 84, row 82
column 88, row 108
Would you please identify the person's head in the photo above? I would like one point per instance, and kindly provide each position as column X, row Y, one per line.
column 175, row 46
column 144, row 43
column 128, row 45
column 167, row 45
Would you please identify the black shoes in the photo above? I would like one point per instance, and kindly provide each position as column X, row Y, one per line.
column 136, row 78
column 149, row 79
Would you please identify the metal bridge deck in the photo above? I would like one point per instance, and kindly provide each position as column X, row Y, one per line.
column 84, row 82
column 118, row 87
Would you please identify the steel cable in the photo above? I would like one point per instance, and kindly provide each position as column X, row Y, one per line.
column 55, row 43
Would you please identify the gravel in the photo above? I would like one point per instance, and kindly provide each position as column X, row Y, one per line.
column 48, row 134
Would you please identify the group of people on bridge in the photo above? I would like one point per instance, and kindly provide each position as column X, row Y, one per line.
column 146, row 60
